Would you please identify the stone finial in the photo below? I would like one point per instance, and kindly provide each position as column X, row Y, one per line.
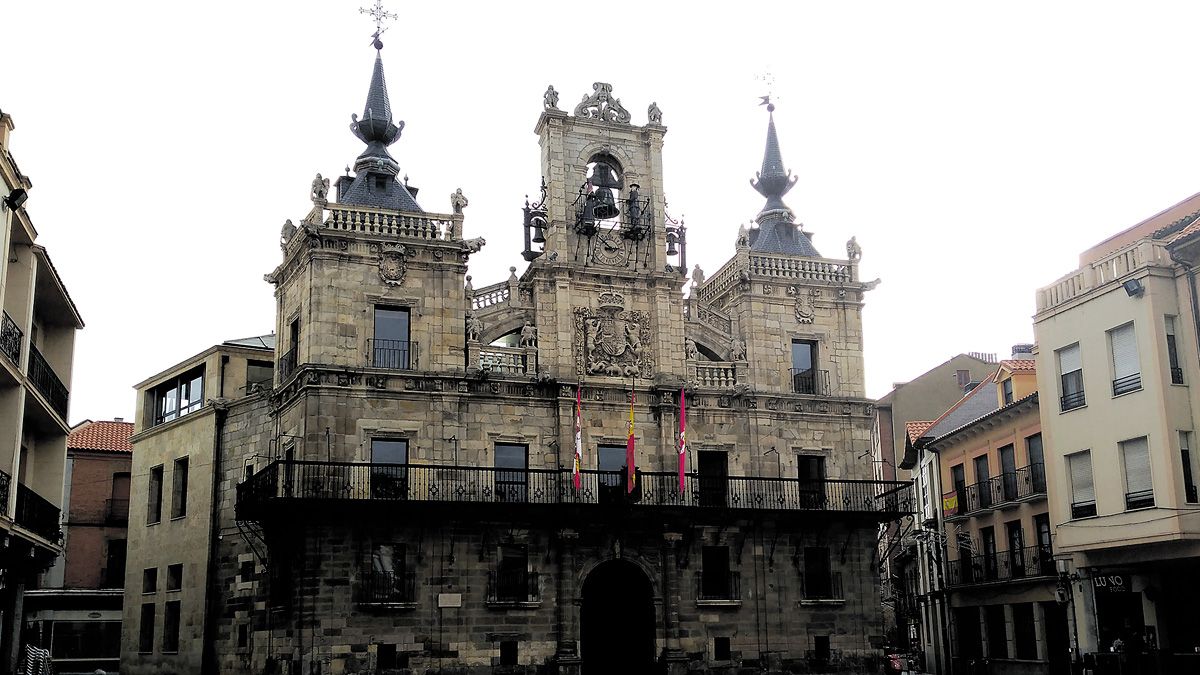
column 853, row 250
column 601, row 105
column 320, row 190
column 654, row 113
column 550, row 98
column 743, row 237
column 512, row 273
column 458, row 201
column 468, row 288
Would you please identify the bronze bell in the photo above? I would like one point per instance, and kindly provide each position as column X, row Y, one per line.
column 539, row 229
column 672, row 238
column 604, row 180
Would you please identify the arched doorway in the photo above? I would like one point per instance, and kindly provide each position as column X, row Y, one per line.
column 617, row 620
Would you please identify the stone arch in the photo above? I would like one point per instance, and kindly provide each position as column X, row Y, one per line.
column 627, row 164
column 501, row 323
column 651, row 573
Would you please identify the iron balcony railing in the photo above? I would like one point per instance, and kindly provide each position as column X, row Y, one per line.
column 116, row 510
column 5, row 482
column 287, row 364
column 1140, row 499
column 513, row 586
column 414, row 483
column 822, row 586
column 385, row 588
column 37, row 514
column 1084, row 509
column 10, row 339
column 1027, row 482
column 812, row 382
column 1124, row 385
column 47, row 382
column 718, row 585
column 1072, row 400
column 392, row 354
column 1022, row 563
column 1176, row 375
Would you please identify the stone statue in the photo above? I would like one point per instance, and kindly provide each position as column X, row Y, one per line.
column 697, row 276
column 550, row 98
column 320, row 189
column 870, row 285
column 528, row 335
column 689, row 346
column 474, row 327
column 654, row 113
column 737, row 349
column 743, row 237
column 473, row 245
column 458, row 201
column 853, row 250
column 286, row 234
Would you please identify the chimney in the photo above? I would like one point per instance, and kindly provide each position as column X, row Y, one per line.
column 1022, row 351
column 118, row 419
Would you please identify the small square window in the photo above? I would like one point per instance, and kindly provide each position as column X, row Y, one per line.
column 721, row 649
column 508, row 652
column 385, row 657
column 246, row 571
column 175, row 577
column 150, row 580
column 243, row 636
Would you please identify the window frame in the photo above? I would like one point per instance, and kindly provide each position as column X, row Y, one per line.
column 1143, row 497
column 146, row 628
column 170, row 638
column 1081, row 508
column 171, row 586
column 174, row 389
column 396, row 354
column 1124, row 359
column 1173, row 364
column 1191, row 494
column 1072, row 388
column 1006, row 390
column 154, row 495
column 149, row 578
column 179, row 487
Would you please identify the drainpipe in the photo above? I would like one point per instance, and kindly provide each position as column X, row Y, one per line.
column 208, row 659
column 1195, row 303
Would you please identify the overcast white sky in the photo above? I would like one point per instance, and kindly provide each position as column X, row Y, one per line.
column 974, row 148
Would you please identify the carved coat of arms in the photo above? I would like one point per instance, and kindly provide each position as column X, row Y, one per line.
column 612, row 341
column 392, row 266
column 805, row 312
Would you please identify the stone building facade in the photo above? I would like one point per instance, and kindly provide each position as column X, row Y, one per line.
column 419, row 506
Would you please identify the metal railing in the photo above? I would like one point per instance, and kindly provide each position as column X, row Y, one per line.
column 5, row 482
column 316, row 480
column 1072, row 401
column 392, row 354
column 1124, row 385
column 1022, row 563
column 37, row 514
column 1140, row 499
column 513, row 586
column 1085, row 509
column 812, row 382
column 10, row 339
column 1010, row 486
column 287, row 364
column 47, row 382
column 822, row 586
column 385, row 588
column 116, row 510
column 1176, row 375
column 718, row 585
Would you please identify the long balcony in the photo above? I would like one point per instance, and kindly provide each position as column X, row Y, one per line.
column 10, row 339
column 817, row 587
column 1004, row 491
column 513, row 586
column 37, row 514
column 47, row 382
column 292, row 482
column 718, row 586
column 1023, row 563
column 385, row 588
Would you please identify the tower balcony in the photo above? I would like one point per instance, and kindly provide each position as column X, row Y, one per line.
column 288, row 484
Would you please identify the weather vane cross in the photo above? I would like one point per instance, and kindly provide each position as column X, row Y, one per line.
column 379, row 15
column 768, row 79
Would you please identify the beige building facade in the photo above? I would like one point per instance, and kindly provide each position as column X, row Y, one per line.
column 1118, row 368
column 37, row 344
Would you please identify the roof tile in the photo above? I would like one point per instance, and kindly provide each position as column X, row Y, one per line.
column 103, row 435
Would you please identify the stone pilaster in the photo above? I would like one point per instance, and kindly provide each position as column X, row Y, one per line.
column 566, row 656
column 672, row 657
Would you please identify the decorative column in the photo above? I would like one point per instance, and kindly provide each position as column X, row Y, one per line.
column 566, row 611
column 672, row 657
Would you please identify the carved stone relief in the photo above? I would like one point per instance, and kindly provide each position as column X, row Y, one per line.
column 392, row 265
column 613, row 341
column 601, row 105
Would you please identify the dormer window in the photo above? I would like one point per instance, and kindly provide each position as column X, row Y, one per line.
column 1006, row 390
column 381, row 183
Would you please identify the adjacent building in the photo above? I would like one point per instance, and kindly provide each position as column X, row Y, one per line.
column 1117, row 365
column 440, row 474
column 76, row 608
column 38, row 321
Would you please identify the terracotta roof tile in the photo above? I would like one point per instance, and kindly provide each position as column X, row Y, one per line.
column 1019, row 365
column 103, row 435
column 915, row 429
column 1191, row 228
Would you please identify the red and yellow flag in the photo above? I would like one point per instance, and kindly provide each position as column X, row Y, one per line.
column 630, row 465
column 682, row 438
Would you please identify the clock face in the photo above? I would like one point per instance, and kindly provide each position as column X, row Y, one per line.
column 610, row 248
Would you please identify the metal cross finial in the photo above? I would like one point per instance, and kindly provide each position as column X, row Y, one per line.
column 379, row 15
column 768, row 79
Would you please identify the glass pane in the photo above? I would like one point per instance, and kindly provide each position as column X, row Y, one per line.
column 389, row 451
column 802, row 355
column 391, row 324
column 510, row 456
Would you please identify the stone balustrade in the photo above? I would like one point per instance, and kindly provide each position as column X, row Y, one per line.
column 489, row 296
column 428, row 226
column 714, row 374
column 1105, row 270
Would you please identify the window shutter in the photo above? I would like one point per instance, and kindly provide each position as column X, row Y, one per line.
column 1082, row 489
column 1124, row 352
column 1068, row 360
column 1137, row 465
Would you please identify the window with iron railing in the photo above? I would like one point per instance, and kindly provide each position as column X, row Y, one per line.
column 1083, row 490
column 1127, row 374
column 1139, row 489
column 1070, row 368
column 10, row 339
column 1173, row 352
column 390, row 345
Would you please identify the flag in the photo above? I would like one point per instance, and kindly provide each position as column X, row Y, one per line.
column 575, row 472
column 682, row 438
column 630, row 465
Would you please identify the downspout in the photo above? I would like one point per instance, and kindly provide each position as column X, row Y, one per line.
column 1195, row 303
column 208, row 659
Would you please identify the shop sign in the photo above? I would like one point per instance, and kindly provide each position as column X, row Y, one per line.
column 1112, row 583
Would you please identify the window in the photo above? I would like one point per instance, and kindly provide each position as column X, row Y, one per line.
column 1008, row 472
column 1041, row 525
column 1083, row 491
column 114, row 568
column 247, row 471
column 150, row 580
column 170, row 642
column 117, row 508
column 389, row 468
column 1127, row 374
column 821, row 651
column 1016, row 548
column 146, row 629
column 508, row 652
column 611, row 462
column 1070, row 369
column 154, row 496
column 1173, row 352
column 818, row 574
column 1139, row 490
column 246, row 571
column 179, row 486
column 714, row 574
column 958, row 478
column 178, row 396
column 811, row 471
column 805, row 378
column 259, row 375
column 385, row 656
column 390, row 347
column 389, row 579
column 287, row 361
column 243, row 636
column 984, row 493
column 997, row 632
column 175, row 577
column 1006, row 390
column 1189, row 476
column 721, row 650
column 513, row 580
column 1037, row 463
column 84, row 639
column 963, row 377
column 511, row 477
column 1024, row 631
column 987, row 535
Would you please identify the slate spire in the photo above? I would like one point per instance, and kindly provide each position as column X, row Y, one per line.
column 773, row 181
column 776, row 231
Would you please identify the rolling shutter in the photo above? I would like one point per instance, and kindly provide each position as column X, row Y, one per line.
column 1124, row 352
column 1136, row 454
column 1082, row 489
column 1068, row 360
